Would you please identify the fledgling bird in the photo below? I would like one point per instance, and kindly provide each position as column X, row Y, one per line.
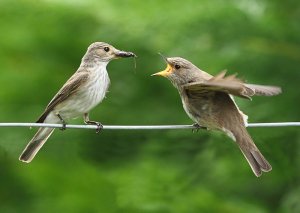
column 83, row 91
column 208, row 101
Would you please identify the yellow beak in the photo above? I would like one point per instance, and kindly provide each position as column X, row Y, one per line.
column 165, row 72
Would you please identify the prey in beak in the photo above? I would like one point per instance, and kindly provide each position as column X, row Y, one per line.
column 123, row 54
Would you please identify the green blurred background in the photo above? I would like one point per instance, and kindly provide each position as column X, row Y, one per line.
column 41, row 45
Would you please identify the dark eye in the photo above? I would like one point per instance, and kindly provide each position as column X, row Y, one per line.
column 106, row 49
column 177, row 66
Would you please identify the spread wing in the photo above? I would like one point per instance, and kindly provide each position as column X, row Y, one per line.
column 264, row 90
column 69, row 88
column 231, row 85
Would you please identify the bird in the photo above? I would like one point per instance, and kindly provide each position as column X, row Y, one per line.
column 85, row 89
column 208, row 101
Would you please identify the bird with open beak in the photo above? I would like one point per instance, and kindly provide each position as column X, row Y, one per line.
column 208, row 101
column 82, row 92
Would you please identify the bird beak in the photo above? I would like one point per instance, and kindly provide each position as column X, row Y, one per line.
column 165, row 72
column 123, row 54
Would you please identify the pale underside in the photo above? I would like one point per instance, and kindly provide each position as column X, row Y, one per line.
column 81, row 98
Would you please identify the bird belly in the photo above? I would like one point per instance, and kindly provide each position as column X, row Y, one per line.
column 188, row 112
column 200, row 112
column 85, row 99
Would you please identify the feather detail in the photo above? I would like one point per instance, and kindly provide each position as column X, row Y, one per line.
column 232, row 85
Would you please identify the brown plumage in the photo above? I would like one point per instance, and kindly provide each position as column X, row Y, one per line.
column 83, row 91
column 208, row 101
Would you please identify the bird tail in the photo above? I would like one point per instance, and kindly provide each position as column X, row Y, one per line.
column 35, row 144
column 256, row 160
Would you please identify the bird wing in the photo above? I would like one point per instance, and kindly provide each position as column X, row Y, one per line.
column 231, row 85
column 66, row 91
column 264, row 90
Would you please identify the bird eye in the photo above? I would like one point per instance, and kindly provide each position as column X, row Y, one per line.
column 177, row 66
column 106, row 49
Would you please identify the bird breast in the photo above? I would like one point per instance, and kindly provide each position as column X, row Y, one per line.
column 87, row 96
column 96, row 87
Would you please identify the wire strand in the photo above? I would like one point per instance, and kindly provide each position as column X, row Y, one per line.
column 138, row 127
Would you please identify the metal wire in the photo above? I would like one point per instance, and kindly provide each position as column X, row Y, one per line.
column 138, row 127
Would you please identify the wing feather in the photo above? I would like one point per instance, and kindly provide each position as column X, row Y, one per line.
column 232, row 85
column 68, row 89
column 264, row 90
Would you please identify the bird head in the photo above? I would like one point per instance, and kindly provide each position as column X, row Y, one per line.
column 104, row 52
column 179, row 71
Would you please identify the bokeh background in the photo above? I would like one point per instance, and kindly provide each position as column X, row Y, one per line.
column 41, row 45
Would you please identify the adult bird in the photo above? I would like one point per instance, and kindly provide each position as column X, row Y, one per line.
column 209, row 102
column 82, row 92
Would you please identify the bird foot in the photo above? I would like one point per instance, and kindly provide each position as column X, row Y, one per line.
column 63, row 122
column 197, row 127
column 63, row 126
column 98, row 124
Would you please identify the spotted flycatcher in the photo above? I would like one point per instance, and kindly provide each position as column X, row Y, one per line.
column 82, row 92
column 208, row 101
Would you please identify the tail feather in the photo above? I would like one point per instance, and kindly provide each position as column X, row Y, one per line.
column 256, row 160
column 35, row 144
column 252, row 162
column 262, row 162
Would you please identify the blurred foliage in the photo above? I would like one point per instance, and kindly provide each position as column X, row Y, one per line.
column 41, row 44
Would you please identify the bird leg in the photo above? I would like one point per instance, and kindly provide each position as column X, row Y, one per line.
column 197, row 127
column 88, row 121
column 62, row 121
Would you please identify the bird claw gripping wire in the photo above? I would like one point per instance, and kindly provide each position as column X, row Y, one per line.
column 63, row 127
column 63, row 123
column 99, row 127
column 98, row 124
column 197, row 127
